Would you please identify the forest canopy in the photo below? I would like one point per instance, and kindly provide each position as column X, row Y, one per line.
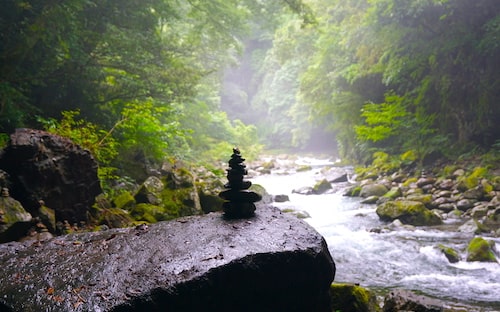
column 189, row 79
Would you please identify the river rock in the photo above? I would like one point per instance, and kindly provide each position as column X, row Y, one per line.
column 465, row 204
column 305, row 190
column 373, row 189
column 352, row 298
column 394, row 193
column 480, row 249
column 150, row 191
column 370, row 200
column 270, row 262
column 446, row 185
column 450, row 253
column 409, row 212
column 421, row 182
column 321, row 187
column 398, row 300
column 476, row 193
column 339, row 179
column 281, row 198
column 44, row 166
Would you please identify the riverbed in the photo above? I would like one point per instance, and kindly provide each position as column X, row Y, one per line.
column 371, row 253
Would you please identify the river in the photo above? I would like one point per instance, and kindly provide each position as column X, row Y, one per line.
column 402, row 258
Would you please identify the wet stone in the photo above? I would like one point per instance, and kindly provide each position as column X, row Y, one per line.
column 270, row 262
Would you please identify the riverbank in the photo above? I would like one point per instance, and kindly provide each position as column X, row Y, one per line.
column 385, row 255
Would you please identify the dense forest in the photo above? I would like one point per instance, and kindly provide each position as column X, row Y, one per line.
column 152, row 80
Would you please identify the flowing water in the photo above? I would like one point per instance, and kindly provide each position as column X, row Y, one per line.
column 402, row 258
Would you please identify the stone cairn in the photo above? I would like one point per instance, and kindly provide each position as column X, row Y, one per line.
column 239, row 200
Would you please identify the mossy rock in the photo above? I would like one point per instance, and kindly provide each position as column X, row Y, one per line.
column 124, row 201
column 374, row 189
column 114, row 218
column 409, row 181
column 304, row 168
column 321, row 186
column 480, row 249
column 425, row 199
column 179, row 203
column 150, row 213
column 14, row 220
column 408, row 212
column 473, row 179
column 353, row 191
column 259, row 189
column 352, row 298
column 210, row 202
column 450, row 253
column 393, row 193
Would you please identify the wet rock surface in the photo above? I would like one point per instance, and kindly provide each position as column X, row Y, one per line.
column 270, row 262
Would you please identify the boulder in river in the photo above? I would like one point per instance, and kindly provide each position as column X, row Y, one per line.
column 321, row 187
column 408, row 212
column 269, row 262
column 480, row 249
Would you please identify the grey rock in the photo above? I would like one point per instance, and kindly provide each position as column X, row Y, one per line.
column 374, row 189
column 281, row 198
column 465, row 204
column 271, row 262
column 404, row 300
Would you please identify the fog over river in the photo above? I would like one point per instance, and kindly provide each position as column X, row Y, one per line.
column 401, row 258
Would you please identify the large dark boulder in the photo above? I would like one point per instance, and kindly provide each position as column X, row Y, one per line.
column 44, row 166
column 270, row 262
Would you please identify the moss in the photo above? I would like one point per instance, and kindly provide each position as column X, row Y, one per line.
column 448, row 171
column 352, row 298
column 487, row 186
column 124, row 201
column 423, row 198
column 114, row 218
column 480, row 250
column 149, row 213
column 393, row 193
column 409, row 181
column 473, row 179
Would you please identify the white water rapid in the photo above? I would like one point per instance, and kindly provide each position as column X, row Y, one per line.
column 403, row 258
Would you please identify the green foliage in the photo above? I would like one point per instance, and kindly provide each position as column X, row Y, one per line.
column 102, row 146
column 473, row 179
column 382, row 120
column 4, row 139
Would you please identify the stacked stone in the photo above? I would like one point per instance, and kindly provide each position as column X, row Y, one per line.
column 239, row 200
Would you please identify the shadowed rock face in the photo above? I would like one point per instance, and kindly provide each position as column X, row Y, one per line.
column 47, row 167
column 270, row 262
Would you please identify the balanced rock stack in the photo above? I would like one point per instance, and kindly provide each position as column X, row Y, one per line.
column 239, row 200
